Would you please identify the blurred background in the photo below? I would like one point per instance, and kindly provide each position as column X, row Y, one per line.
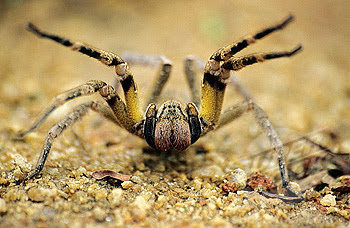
column 306, row 93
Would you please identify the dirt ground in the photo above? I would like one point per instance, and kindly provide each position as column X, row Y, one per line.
column 306, row 95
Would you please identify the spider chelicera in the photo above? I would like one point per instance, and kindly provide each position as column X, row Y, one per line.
column 171, row 126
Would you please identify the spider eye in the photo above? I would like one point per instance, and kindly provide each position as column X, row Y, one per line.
column 150, row 125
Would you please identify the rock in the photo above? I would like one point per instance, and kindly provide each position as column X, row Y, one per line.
column 3, row 207
column 38, row 194
column 99, row 214
column 328, row 200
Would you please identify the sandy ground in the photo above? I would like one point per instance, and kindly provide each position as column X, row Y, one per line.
column 307, row 94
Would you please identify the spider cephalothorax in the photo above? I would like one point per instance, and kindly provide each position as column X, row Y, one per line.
column 171, row 126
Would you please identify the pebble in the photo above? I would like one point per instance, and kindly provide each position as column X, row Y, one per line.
column 328, row 200
column 238, row 176
column 99, row 214
column 38, row 194
column 23, row 164
column 3, row 207
column 115, row 197
column 127, row 184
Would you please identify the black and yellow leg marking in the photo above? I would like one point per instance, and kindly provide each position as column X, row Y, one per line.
column 219, row 65
column 212, row 97
column 124, row 75
column 237, row 63
column 162, row 75
column 107, row 58
column 225, row 53
column 118, row 107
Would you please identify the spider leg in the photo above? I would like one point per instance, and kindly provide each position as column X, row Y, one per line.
column 107, row 58
column 275, row 141
column 86, row 89
column 160, row 80
column 238, row 110
column 106, row 111
column 267, row 128
column 237, row 63
column 233, row 113
column 163, row 73
column 124, row 75
column 54, row 132
column 193, row 65
column 225, row 53
column 119, row 109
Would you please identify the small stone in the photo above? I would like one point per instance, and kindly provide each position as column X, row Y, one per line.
column 127, row 184
column 136, row 179
column 160, row 201
column 38, row 194
column 140, row 206
column 160, row 168
column 101, row 194
column 238, row 177
column 3, row 207
column 213, row 172
column 258, row 181
column 294, row 187
column 22, row 163
column 18, row 174
column 81, row 171
column 328, row 200
column 99, row 214
column 115, row 197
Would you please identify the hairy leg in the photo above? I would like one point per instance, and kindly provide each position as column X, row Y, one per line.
column 54, row 132
column 194, row 65
column 217, row 73
column 124, row 75
column 262, row 118
column 162, row 75
column 233, row 113
column 237, row 63
column 228, row 51
column 86, row 89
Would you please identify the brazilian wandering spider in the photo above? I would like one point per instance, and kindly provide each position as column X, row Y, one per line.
column 171, row 126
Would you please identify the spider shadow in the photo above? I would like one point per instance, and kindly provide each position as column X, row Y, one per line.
column 172, row 160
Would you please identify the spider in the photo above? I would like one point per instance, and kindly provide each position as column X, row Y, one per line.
column 171, row 126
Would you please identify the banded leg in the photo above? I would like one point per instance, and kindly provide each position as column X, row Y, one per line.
column 162, row 76
column 225, row 53
column 54, row 132
column 86, row 89
column 124, row 75
column 237, row 63
column 193, row 65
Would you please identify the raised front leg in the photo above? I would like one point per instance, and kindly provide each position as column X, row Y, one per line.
column 217, row 73
column 124, row 75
